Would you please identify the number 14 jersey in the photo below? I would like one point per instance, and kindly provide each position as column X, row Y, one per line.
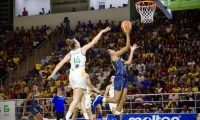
column 77, row 59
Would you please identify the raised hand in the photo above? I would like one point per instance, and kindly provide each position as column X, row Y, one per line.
column 134, row 47
column 128, row 30
column 67, row 88
column 106, row 29
column 50, row 77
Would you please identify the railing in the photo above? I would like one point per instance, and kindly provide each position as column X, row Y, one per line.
column 38, row 51
column 131, row 102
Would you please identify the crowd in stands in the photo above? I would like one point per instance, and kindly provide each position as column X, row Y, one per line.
column 16, row 44
column 166, row 62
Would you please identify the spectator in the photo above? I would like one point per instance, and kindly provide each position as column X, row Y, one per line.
column 159, row 88
column 185, row 109
column 176, row 89
column 38, row 66
column 16, row 59
column 101, row 78
column 146, row 82
column 48, row 31
column 139, row 99
column 140, row 77
column 25, row 13
column 73, row 9
column 173, row 96
column 160, row 110
column 136, row 82
column 90, row 25
column 43, row 12
column 44, row 60
column 131, row 76
column 59, row 103
column 147, row 110
column 63, row 75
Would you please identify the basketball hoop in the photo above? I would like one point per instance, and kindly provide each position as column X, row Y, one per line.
column 146, row 10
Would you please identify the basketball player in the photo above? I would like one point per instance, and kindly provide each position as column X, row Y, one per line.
column 120, row 81
column 91, row 110
column 36, row 100
column 110, row 91
column 89, row 97
column 77, row 71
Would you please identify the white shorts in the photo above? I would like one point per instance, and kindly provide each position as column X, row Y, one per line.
column 77, row 78
column 87, row 103
column 114, row 105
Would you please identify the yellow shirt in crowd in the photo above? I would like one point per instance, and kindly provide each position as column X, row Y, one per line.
column 2, row 95
column 195, row 89
column 52, row 88
column 65, row 82
column 188, row 81
column 38, row 66
column 16, row 60
column 57, row 82
column 170, row 69
column 194, row 74
column 176, row 89
column 21, row 83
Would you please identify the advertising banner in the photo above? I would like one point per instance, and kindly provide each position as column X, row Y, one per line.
column 7, row 110
column 156, row 117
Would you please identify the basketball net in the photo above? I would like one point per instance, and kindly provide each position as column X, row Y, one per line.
column 146, row 10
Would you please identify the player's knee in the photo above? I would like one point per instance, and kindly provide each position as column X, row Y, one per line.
column 76, row 101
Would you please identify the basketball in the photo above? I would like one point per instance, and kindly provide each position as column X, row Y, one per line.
column 125, row 25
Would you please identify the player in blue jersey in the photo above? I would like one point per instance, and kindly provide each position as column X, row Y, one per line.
column 120, row 81
column 110, row 91
column 35, row 100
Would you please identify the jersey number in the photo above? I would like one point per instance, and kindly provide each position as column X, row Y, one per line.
column 77, row 60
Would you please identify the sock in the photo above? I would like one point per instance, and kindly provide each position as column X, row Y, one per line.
column 117, row 113
column 86, row 116
column 104, row 100
column 68, row 115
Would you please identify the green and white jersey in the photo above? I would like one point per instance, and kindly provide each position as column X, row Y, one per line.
column 77, row 59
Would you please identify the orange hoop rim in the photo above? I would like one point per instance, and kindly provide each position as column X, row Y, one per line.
column 152, row 5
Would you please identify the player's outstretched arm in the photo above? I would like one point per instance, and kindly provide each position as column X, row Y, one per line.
column 95, row 40
column 68, row 88
column 42, row 103
column 89, row 84
column 131, row 54
column 25, row 102
column 66, row 59
column 124, row 49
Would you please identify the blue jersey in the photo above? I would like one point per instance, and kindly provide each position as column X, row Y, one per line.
column 35, row 100
column 93, row 109
column 119, row 67
column 59, row 103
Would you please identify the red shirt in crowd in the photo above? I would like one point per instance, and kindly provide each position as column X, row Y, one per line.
column 25, row 13
column 168, row 89
column 165, row 70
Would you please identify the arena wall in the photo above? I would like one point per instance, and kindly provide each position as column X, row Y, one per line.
column 118, row 14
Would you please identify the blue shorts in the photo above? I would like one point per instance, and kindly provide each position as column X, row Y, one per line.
column 35, row 110
column 120, row 82
column 93, row 109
